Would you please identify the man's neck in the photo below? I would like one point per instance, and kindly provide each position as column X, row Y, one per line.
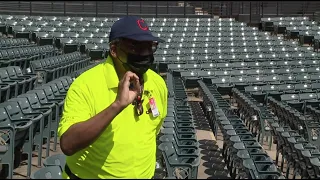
column 119, row 69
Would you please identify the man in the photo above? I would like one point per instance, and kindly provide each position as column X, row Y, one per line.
column 114, row 111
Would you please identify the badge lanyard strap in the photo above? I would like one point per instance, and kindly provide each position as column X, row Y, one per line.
column 138, row 101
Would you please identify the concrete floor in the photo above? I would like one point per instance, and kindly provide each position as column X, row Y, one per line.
column 21, row 171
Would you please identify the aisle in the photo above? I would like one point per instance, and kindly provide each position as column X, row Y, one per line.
column 212, row 165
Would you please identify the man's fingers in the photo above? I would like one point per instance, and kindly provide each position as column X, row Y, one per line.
column 136, row 84
column 131, row 77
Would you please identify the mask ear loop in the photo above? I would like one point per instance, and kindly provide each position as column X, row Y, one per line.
column 125, row 64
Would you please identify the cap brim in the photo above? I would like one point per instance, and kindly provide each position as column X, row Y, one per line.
column 145, row 37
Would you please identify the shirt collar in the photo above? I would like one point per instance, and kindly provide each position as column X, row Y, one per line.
column 113, row 79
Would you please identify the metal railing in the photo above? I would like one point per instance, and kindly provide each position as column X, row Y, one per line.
column 246, row 11
column 99, row 8
column 253, row 11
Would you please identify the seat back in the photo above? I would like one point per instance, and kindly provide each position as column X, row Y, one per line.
column 54, row 88
column 33, row 100
column 24, row 104
column 55, row 160
column 11, row 72
column 4, row 75
column 48, row 92
column 40, row 94
column 50, row 172
column 11, row 53
column 62, row 85
column 4, row 117
column 13, row 109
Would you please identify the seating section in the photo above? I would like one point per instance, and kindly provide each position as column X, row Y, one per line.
column 256, row 86
column 272, row 80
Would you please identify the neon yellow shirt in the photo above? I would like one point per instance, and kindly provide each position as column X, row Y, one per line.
column 127, row 148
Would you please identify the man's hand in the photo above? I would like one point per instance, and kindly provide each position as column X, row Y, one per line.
column 125, row 94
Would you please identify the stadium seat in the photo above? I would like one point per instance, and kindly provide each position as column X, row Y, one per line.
column 50, row 172
column 55, row 160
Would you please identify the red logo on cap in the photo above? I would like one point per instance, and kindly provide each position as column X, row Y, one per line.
column 142, row 25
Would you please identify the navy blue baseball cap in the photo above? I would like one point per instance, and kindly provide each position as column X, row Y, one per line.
column 132, row 27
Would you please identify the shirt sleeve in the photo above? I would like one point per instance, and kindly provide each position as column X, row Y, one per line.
column 77, row 107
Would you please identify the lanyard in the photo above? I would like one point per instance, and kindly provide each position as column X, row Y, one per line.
column 138, row 101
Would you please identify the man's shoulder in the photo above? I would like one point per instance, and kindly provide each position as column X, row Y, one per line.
column 90, row 76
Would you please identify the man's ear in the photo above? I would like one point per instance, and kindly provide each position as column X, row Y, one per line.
column 113, row 50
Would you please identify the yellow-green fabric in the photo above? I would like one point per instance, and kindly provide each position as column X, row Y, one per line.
column 127, row 148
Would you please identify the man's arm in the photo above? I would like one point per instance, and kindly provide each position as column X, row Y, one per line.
column 82, row 134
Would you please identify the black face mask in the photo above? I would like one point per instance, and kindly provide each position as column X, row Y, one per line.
column 138, row 64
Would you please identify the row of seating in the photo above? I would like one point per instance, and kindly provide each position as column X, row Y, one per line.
column 304, row 31
column 178, row 141
column 109, row 19
column 57, row 66
column 90, row 65
column 105, row 27
column 247, row 106
column 14, row 82
column 294, row 23
column 216, row 58
column 234, row 52
column 301, row 100
column 260, row 67
column 226, row 83
column 260, row 93
column 267, row 23
column 200, row 57
column 177, row 42
column 94, row 34
column 6, row 43
column 214, row 73
column 56, row 18
column 294, row 30
column 273, row 79
column 236, row 25
column 23, row 55
column 244, row 156
column 28, row 26
column 268, row 64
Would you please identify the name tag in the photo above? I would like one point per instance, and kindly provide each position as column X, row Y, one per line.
column 153, row 107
